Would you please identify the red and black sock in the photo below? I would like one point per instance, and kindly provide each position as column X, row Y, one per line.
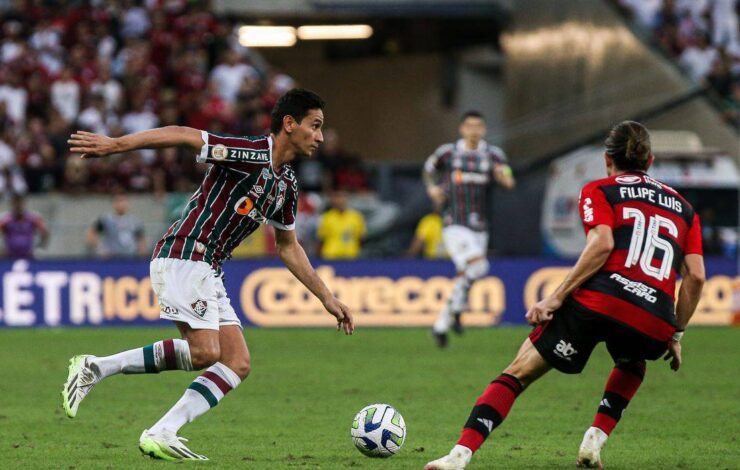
column 622, row 385
column 490, row 410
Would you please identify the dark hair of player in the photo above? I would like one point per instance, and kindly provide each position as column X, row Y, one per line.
column 296, row 103
column 472, row 113
column 629, row 146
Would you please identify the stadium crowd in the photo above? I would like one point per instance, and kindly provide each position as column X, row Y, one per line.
column 124, row 66
column 703, row 36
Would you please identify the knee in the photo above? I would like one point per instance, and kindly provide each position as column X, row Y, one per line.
column 522, row 375
column 242, row 367
column 204, row 356
column 477, row 269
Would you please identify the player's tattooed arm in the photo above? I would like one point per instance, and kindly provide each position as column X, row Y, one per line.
column 291, row 253
column 91, row 145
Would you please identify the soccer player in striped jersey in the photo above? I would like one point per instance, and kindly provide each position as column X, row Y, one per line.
column 457, row 177
column 249, row 182
column 640, row 234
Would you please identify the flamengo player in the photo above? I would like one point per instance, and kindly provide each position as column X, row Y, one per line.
column 250, row 182
column 457, row 177
column 640, row 234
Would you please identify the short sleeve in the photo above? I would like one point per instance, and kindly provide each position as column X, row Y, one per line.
column 693, row 239
column 284, row 218
column 361, row 225
column 422, row 228
column 438, row 160
column 322, row 231
column 498, row 155
column 245, row 154
column 594, row 208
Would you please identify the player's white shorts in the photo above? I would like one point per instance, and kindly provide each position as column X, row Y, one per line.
column 190, row 292
column 464, row 244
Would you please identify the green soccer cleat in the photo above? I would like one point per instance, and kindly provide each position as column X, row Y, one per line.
column 166, row 445
column 80, row 381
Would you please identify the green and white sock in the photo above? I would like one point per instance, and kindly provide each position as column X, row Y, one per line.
column 168, row 354
column 206, row 391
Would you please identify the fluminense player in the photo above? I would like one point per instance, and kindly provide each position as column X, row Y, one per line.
column 457, row 178
column 640, row 235
column 249, row 182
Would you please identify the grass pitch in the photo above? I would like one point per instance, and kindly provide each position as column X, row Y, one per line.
column 296, row 409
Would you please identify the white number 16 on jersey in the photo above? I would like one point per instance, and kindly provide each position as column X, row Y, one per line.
column 639, row 244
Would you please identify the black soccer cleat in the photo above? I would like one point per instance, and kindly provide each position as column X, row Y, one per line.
column 440, row 339
column 457, row 326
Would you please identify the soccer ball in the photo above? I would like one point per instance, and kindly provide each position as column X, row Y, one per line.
column 378, row 430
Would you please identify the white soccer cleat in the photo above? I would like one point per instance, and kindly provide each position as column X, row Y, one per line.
column 166, row 445
column 458, row 458
column 589, row 455
column 80, row 381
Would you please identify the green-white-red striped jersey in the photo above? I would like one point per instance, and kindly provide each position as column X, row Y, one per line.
column 239, row 192
column 465, row 175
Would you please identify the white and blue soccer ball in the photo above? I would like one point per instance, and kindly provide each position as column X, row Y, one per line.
column 378, row 431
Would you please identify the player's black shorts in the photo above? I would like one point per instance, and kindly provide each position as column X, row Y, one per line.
column 566, row 341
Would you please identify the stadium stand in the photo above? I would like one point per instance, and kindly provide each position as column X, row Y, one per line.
column 703, row 38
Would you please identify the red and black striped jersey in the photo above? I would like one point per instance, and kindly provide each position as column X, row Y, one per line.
column 239, row 192
column 465, row 175
column 654, row 227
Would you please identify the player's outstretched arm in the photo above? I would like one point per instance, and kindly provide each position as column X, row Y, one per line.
column 295, row 259
column 599, row 244
column 91, row 145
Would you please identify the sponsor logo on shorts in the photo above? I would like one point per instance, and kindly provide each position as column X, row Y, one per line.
column 200, row 307
column 564, row 350
column 167, row 309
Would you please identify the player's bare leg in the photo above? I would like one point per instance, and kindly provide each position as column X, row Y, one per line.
column 624, row 381
column 226, row 356
column 493, row 406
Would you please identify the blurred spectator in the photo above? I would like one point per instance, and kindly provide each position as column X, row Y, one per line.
column 229, row 75
column 15, row 98
column 135, row 19
column 37, row 157
column 149, row 60
column 140, row 118
column 428, row 238
column 96, row 118
column 339, row 169
column 697, row 59
column 20, row 227
column 65, row 95
column 725, row 22
column 108, row 87
column 117, row 234
column 11, row 178
column 12, row 46
column 340, row 229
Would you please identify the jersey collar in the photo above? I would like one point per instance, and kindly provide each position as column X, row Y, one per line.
column 460, row 146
